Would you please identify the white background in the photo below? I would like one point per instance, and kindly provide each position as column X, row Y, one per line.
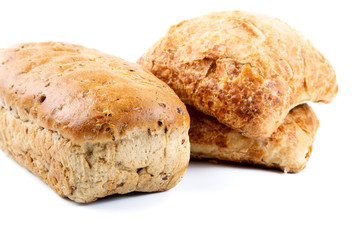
column 212, row 201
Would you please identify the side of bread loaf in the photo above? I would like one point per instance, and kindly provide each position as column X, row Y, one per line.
column 246, row 70
column 288, row 148
column 90, row 124
column 143, row 160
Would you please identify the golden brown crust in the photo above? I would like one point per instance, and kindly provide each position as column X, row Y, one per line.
column 84, row 94
column 288, row 148
column 246, row 70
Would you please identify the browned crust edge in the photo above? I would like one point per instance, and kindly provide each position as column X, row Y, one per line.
column 288, row 148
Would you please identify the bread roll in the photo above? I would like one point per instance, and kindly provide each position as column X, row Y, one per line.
column 288, row 148
column 90, row 124
column 246, row 70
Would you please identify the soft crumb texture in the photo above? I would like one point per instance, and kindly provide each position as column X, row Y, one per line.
column 288, row 148
column 246, row 70
column 90, row 124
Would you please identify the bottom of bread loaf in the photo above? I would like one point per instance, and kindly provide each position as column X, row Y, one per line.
column 288, row 148
column 143, row 160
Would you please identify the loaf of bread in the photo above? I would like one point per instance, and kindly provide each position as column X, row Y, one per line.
column 90, row 124
column 246, row 70
column 288, row 148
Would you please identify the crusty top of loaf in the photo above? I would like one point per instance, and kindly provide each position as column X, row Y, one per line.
column 83, row 93
column 247, row 70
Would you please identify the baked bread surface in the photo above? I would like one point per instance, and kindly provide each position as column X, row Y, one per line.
column 90, row 124
column 288, row 148
column 246, row 70
column 83, row 93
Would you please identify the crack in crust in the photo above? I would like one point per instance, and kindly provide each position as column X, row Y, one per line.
column 246, row 70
